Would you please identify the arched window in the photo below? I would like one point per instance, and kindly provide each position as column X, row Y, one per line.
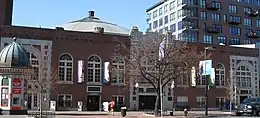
column 34, row 61
column 65, row 67
column 243, row 77
column 94, row 69
column 5, row 82
column 118, row 64
column 220, row 75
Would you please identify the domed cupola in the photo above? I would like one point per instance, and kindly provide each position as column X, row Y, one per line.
column 14, row 56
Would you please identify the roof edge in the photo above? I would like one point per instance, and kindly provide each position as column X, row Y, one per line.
column 156, row 5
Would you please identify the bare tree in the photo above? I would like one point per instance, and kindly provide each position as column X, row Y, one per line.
column 43, row 85
column 158, row 60
column 230, row 91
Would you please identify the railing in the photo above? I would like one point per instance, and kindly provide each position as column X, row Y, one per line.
column 45, row 114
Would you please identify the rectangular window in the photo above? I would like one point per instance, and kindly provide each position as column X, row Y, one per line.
column 119, row 100
column 179, row 13
column 248, row 22
column 258, row 23
column 180, row 25
column 4, row 96
column 234, row 41
column 235, row 19
column 160, row 11
column 203, row 15
column 16, row 101
column 166, row 19
column 202, row 3
column 220, row 102
column 235, row 31
column 172, row 16
column 166, row 29
column 222, row 39
column 160, row 22
column 225, row 18
column 166, row 8
column 215, row 17
column 154, row 14
column 182, row 100
column 218, row 27
column 188, row 36
column 35, row 100
column 173, row 28
column 155, row 24
column 64, row 100
column 200, row 101
column 208, row 39
column 172, row 5
column 232, row 9
column 247, row 41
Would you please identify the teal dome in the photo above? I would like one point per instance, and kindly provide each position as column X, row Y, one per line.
column 14, row 56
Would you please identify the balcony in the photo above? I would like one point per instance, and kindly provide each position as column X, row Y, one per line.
column 212, row 29
column 185, row 5
column 234, row 22
column 190, row 27
column 252, row 13
column 252, row 35
column 212, row 6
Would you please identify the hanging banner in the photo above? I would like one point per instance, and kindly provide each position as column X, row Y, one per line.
column 205, row 67
column 212, row 78
column 193, row 76
column 106, row 72
column 80, row 71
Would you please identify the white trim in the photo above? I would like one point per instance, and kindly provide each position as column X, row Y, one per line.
column 65, row 81
column 94, row 69
column 100, row 88
column 219, row 74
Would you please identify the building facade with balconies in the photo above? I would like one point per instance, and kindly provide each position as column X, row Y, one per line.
column 229, row 22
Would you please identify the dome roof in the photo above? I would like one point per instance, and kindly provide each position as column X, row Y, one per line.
column 14, row 56
column 94, row 24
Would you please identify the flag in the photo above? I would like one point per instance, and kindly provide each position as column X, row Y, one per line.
column 162, row 48
column 106, row 72
column 212, row 78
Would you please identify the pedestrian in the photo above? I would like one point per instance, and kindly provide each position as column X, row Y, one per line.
column 112, row 106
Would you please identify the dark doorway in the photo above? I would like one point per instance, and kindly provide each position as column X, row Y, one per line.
column 29, row 102
column 242, row 98
column 146, row 102
column 93, row 103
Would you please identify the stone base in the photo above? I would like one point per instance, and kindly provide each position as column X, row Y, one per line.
column 13, row 112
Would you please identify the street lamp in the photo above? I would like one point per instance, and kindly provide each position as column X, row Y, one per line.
column 172, row 86
column 210, row 48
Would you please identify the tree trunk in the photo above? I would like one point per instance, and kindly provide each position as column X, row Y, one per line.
column 157, row 104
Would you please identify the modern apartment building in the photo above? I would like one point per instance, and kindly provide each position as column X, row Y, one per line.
column 229, row 22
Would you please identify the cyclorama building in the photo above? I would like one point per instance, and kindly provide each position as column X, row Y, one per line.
column 72, row 60
column 235, row 67
column 15, row 72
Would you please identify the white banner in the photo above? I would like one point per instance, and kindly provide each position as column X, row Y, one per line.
column 193, row 76
column 80, row 71
column 106, row 72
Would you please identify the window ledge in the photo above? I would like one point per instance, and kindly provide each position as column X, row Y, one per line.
column 65, row 82
column 117, row 84
column 94, row 83
column 221, row 87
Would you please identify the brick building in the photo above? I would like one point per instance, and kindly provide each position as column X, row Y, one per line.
column 56, row 55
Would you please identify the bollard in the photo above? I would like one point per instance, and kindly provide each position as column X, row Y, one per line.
column 185, row 112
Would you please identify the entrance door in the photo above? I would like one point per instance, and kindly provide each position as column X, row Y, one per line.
column 147, row 102
column 29, row 102
column 242, row 98
column 93, row 103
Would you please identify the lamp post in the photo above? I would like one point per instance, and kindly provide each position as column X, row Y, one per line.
column 172, row 86
column 207, row 81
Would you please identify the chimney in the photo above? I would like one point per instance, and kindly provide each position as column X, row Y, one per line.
column 91, row 13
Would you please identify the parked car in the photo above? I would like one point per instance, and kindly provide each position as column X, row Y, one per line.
column 250, row 106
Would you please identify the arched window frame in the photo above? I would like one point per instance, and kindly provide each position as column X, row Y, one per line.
column 94, row 69
column 220, row 75
column 66, row 68
column 240, row 83
column 118, row 64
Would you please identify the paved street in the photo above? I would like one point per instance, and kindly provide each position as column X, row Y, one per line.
column 177, row 114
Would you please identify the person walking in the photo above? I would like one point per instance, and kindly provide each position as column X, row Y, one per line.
column 112, row 106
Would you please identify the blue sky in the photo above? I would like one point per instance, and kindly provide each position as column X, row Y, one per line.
column 50, row 13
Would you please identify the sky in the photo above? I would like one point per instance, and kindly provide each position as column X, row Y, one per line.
column 51, row 13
